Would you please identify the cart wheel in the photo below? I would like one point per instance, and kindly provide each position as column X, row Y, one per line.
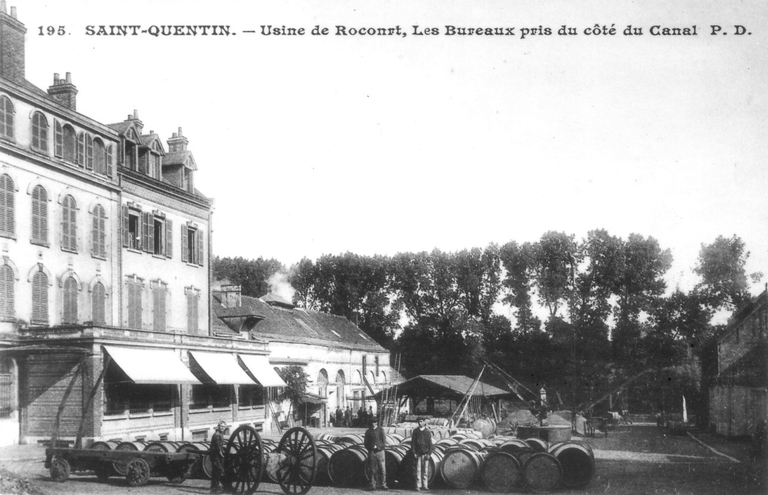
column 244, row 465
column 297, row 470
column 60, row 470
column 137, row 472
column 103, row 471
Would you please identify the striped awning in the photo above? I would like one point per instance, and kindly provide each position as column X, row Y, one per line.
column 260, row 368
column 151, row 366
column 221, row 367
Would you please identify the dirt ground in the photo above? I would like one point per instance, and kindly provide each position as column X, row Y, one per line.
column 635, row 459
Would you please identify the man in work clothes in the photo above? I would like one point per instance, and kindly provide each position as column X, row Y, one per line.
column 375, row 441
column 421, row 444
column 216, row 451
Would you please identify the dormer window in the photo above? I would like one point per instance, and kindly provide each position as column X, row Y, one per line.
column 6, row 118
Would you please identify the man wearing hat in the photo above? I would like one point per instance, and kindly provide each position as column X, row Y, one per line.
column 216, row 451
column 375, row 441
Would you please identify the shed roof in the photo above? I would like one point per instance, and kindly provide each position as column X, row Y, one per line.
column 447, row 386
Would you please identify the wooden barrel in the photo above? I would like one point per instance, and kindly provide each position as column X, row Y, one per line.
column 347, row 467
column 578, row 462
column 447, row 441
column 485, row 427
column 351, row 439
column 537, row 444
column 542, row 472
column 160, row 447
column 512, row 446
column 324, row 453
column 121, row 467
column 394, row 439
column 461, row 467
column 324, row 436
column 408, row 467
column 206, row 467
column 194, row 468
column 501, row 472
column 499, row 440
column 108, row 445
column 393, row 457
column 476, row 443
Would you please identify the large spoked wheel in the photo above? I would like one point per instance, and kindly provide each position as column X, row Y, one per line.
column 298, row 462
column 60, row 470
column 244, row 464
column 137, row 472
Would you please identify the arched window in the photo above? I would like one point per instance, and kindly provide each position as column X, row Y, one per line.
column 99, row 233
column 69, row 224
column 69, row 314
column 40, row 215
column 6, row 117
column 40, row 298
column 7, row 311
column 98, row 300
column 99, row 157
column 69, row 144
column 7, row 189
column 81, row 149
column 88, row 152
column 39, row 132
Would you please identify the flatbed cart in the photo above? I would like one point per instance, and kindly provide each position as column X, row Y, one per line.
column 293, row 463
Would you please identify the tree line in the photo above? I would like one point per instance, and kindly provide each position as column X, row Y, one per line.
column 578, row 316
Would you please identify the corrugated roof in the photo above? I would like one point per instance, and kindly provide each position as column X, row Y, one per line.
column 300, row 325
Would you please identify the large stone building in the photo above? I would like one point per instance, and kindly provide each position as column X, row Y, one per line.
column 738, row 398
column 105, row 276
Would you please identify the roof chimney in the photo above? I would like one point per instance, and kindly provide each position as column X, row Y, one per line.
column 11, row 45
column 63, row 91
column 177, row 142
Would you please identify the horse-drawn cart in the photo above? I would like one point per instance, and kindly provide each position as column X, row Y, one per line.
column 293, row 463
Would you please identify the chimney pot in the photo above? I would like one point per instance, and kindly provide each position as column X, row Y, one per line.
column 2, row 7
column 55, row 78
column 13, row 12
column 69, row 78
column 180, row 134
column 135, row 114
column 174, row 135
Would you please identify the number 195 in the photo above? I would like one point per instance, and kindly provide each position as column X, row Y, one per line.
column 52, row 30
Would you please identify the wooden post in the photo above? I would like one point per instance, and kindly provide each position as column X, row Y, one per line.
column 63, row 404
column 89, row 402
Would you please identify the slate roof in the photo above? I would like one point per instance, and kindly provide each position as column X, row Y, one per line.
column 179, row 158
column 286, row 324
column 120, row 127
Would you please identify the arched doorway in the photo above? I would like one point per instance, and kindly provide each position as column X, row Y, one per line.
column 322, row 391
column 340, row 382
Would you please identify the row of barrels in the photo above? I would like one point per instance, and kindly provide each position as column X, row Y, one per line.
column 501, row 464
column 200, row 469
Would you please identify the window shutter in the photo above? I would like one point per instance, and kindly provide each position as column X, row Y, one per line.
column 58, row 139
column 65, row 223
column 97, row 303
column 6, row 292
column 81, row 149
column 144, row 235
column 72, row 224
column 89, row 152
column 40, row 298
column 150, row 232
column 108, row 160
column 102, row 233
column 168, row 238
column 126, row 232
column 184, row 244
column 95, row 232
column 6, row 205
column 200, row 249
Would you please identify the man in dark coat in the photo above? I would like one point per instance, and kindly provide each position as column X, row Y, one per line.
column 375, row 442
column 421, row 444
column 216, row 450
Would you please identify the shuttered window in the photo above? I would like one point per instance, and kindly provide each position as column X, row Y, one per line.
column 200, row 249
column 98, row 301
column 58, row 139
column 69, row 307
column 69, row 224
column 40, row 215
column 99, row 157
column 109, row 156
column 69, row 144
column 184, row 243
column 192, row 248
column 7, row 311
column 134, row 305
column 88, row 152
column 193, row 299
column 148, row 232
column 158, row 307
column 6, row 118
column 7, row 190
column 168, row 238
column 40, row 298
column 99, row 232
column 81, row 149
column 39, row 132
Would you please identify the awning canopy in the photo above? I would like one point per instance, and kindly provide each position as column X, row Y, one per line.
column 260, row 368
column 221, row 367
column 151, row 366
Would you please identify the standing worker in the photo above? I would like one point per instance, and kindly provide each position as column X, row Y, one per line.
column 421, row 444
column 375, row 442
column 347, row 417
column 216, row 451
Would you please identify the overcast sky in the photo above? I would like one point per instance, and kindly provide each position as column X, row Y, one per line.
column 378, row 145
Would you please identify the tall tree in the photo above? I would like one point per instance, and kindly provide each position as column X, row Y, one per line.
column 721, row 266
column 251, row 275
column 519, row 266
column 556, row 257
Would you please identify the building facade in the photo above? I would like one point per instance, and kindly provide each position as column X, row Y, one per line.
column 105, row 277
column 738, row 398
